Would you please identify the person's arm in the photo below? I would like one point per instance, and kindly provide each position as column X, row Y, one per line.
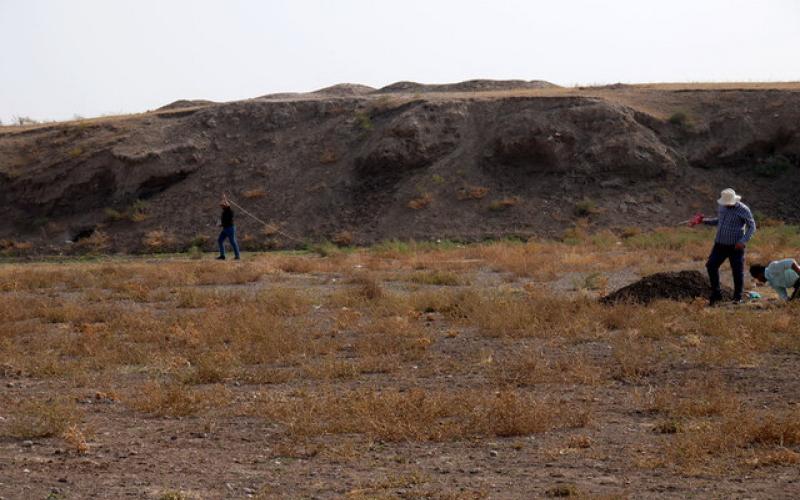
column 750, row 222
column 781, row 292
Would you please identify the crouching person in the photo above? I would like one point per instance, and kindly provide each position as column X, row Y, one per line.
column 781, row 275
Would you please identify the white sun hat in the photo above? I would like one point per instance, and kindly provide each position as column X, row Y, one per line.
column 728, row 197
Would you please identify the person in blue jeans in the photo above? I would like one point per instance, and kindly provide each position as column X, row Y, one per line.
column 735, row 226
column 228, row 230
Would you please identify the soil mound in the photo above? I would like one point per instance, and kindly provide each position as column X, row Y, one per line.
column 682, row 285
column 345, row 90
column 466, row 86
column 186, row 103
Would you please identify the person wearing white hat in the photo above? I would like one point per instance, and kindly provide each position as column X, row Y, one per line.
column 735, row 226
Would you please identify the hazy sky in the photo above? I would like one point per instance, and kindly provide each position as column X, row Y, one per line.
column 91, row 57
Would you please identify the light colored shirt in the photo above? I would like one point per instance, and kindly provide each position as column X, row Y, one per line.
column 781, row 276
column 734, row 224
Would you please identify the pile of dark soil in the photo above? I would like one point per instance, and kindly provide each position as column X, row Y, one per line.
column 682, row 285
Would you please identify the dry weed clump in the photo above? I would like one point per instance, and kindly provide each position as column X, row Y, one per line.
column 437, row 278
column 420, row 201
column 43, row 418
column 503, row 203
column 767, row 433
column 98, row 241
column 211, row 367
column 635, row 357
column 395, row 335
column 694, row 398
column 75, row 439
column 536, row 314
column 158, row 240
column 528, row 367
column 172, row 399
column 472, row 192
column 254, row 194
column 419, row 415
column 282, row 302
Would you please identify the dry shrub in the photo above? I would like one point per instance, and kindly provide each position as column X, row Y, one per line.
column 75, row 439
column 472, row 192
column 580, row 441
column 635, row 358
column 343, row 238
column 330, row 368
column 439, row 278
column 527, row 367
column 255, row 193
column 212, row 367
column 295, row 265
column 419, row 415
column 328, row 156
column 15, row 248
column 157, row 240
column 270, row 229
column 537, row 314
column 193, row 298
column 96, row 242
column 693, row 398
column 745, row 429
column 282, row 302
column 39, row 419
column 420, row 201
column 367, row 289
column 503, row 203
column 176, row 400
column 394, row 335
column 771, row 458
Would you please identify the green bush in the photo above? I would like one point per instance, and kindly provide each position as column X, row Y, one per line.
column 585, row 207
column 364, row 121
column 679, row 118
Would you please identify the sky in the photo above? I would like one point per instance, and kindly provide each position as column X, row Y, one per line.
column 63, row 58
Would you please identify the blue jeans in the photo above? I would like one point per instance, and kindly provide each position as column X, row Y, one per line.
column 230, row 233
column 719, row 254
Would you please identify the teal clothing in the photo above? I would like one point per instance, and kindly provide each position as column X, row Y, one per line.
column 780, row 276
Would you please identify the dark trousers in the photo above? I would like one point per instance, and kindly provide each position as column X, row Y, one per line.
column 796, row 292
column 719, row 254
column 230, row 234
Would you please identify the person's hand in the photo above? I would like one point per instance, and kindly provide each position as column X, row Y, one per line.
column 740, row 246
column 697, row 219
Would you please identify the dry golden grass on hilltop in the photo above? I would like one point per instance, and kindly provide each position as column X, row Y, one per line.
column 462, row 348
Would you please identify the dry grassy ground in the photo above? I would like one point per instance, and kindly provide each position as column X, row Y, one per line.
column 439, row 371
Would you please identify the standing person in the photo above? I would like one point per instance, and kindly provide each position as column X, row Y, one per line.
column 228, row 229
column 735, row 227
column 781, row 275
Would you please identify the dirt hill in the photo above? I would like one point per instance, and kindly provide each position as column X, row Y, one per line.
column 468, row 161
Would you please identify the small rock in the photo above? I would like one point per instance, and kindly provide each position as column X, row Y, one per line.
column 493, row 453
column 27, row 444
column 249, row 491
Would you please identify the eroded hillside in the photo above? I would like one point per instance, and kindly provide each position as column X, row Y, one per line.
column 354, row 164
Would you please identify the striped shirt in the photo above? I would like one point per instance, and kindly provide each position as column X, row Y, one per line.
column 734, row 224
